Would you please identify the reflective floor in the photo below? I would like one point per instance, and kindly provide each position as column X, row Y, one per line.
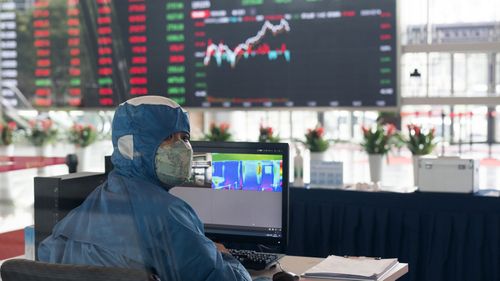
column 16, row 187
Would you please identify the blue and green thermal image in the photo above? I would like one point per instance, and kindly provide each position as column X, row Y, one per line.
column 256, row 172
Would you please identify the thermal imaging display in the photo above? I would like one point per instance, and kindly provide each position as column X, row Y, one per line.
column 203, row 53
column 231, row 171
column 247, row 172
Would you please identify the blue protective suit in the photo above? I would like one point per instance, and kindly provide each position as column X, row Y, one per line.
column 131, row 220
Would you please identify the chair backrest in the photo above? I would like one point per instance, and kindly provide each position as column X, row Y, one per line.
column 27, row 270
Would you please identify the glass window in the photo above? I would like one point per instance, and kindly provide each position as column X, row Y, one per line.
column 413, row 21
column 497, row 70
column 429, row 117
column 470, row 124
column 338, row 124
column 414, row 86
column 244, row 125
column 470, row 74
column 497, row 123
column 439, row 74
column 459, row 74
column 463, row 11
column 301, row 121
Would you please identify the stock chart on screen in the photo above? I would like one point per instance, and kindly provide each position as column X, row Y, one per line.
column 231, row 53
column 265, row 53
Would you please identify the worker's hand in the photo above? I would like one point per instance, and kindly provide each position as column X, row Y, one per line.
column 221, row 248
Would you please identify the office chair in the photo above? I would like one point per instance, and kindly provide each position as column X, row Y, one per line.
column 28, row 270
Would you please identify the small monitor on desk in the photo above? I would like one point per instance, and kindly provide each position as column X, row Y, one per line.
column 240, row 191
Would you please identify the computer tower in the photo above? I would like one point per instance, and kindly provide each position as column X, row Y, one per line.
column 56, row 196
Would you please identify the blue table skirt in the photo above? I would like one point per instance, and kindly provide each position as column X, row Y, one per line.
column 441, row 236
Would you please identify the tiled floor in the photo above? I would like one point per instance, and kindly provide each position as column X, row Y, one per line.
column 16, row 187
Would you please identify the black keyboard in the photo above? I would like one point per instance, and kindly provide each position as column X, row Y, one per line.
column 255, row 260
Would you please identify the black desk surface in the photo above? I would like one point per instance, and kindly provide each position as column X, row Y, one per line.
column 443, row 236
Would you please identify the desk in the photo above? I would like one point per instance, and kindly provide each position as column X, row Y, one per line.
column 298, row 265
column 442, row 236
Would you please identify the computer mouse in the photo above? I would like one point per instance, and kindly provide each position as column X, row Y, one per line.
column 285, row 276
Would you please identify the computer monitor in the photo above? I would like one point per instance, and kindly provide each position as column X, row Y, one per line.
column 240, row 191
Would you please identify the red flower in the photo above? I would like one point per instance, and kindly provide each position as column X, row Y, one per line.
column 12, row 125
column 77, row 127
column 46, row 124
column 391, row 129
column 224, row 127
column 320, row 131
column 417, row 130
column 270, row 131
column 365, row 130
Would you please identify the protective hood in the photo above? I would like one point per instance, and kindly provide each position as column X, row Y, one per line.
column 140, row 125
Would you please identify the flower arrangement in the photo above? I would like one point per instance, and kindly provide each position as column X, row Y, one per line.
column 266, row 134
column 218, row 133
column 420, row 141
column 6, row 132
column 82, row 135
column 42, row 132
column 315, row 141
column 377, row 139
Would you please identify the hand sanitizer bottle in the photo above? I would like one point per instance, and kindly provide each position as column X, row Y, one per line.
column 298, row 169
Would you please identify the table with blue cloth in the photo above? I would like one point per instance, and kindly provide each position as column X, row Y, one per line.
column 443, row 236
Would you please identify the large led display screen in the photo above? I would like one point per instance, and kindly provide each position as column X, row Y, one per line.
column 234, row 53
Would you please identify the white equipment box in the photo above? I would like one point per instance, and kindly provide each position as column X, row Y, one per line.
column 448, row 174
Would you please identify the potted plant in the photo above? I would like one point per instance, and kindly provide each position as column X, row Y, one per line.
column 82, row 136
column 316, row 143
column 218, row 132
column 266, row 134
column 377, row 142
column 42, row 132
column 6, row 137
column 420, row 142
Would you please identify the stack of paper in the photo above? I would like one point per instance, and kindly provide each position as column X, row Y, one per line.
column 351, row 268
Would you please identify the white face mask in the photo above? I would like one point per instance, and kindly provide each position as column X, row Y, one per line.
column 173, row 163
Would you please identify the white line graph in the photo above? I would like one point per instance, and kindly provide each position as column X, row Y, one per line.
column 232, row 56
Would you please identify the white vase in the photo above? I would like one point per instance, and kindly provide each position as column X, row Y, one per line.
column 375, row 162
column 43, row 151
column 82, row 154
column 6, row 151
column 415, row 159
column 318, row 156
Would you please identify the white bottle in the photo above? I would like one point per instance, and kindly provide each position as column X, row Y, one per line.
column 298, row 169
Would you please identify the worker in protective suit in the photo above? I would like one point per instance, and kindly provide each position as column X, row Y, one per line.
column 131, row 220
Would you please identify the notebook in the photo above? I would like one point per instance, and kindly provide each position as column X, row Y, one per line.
column 351, row 268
